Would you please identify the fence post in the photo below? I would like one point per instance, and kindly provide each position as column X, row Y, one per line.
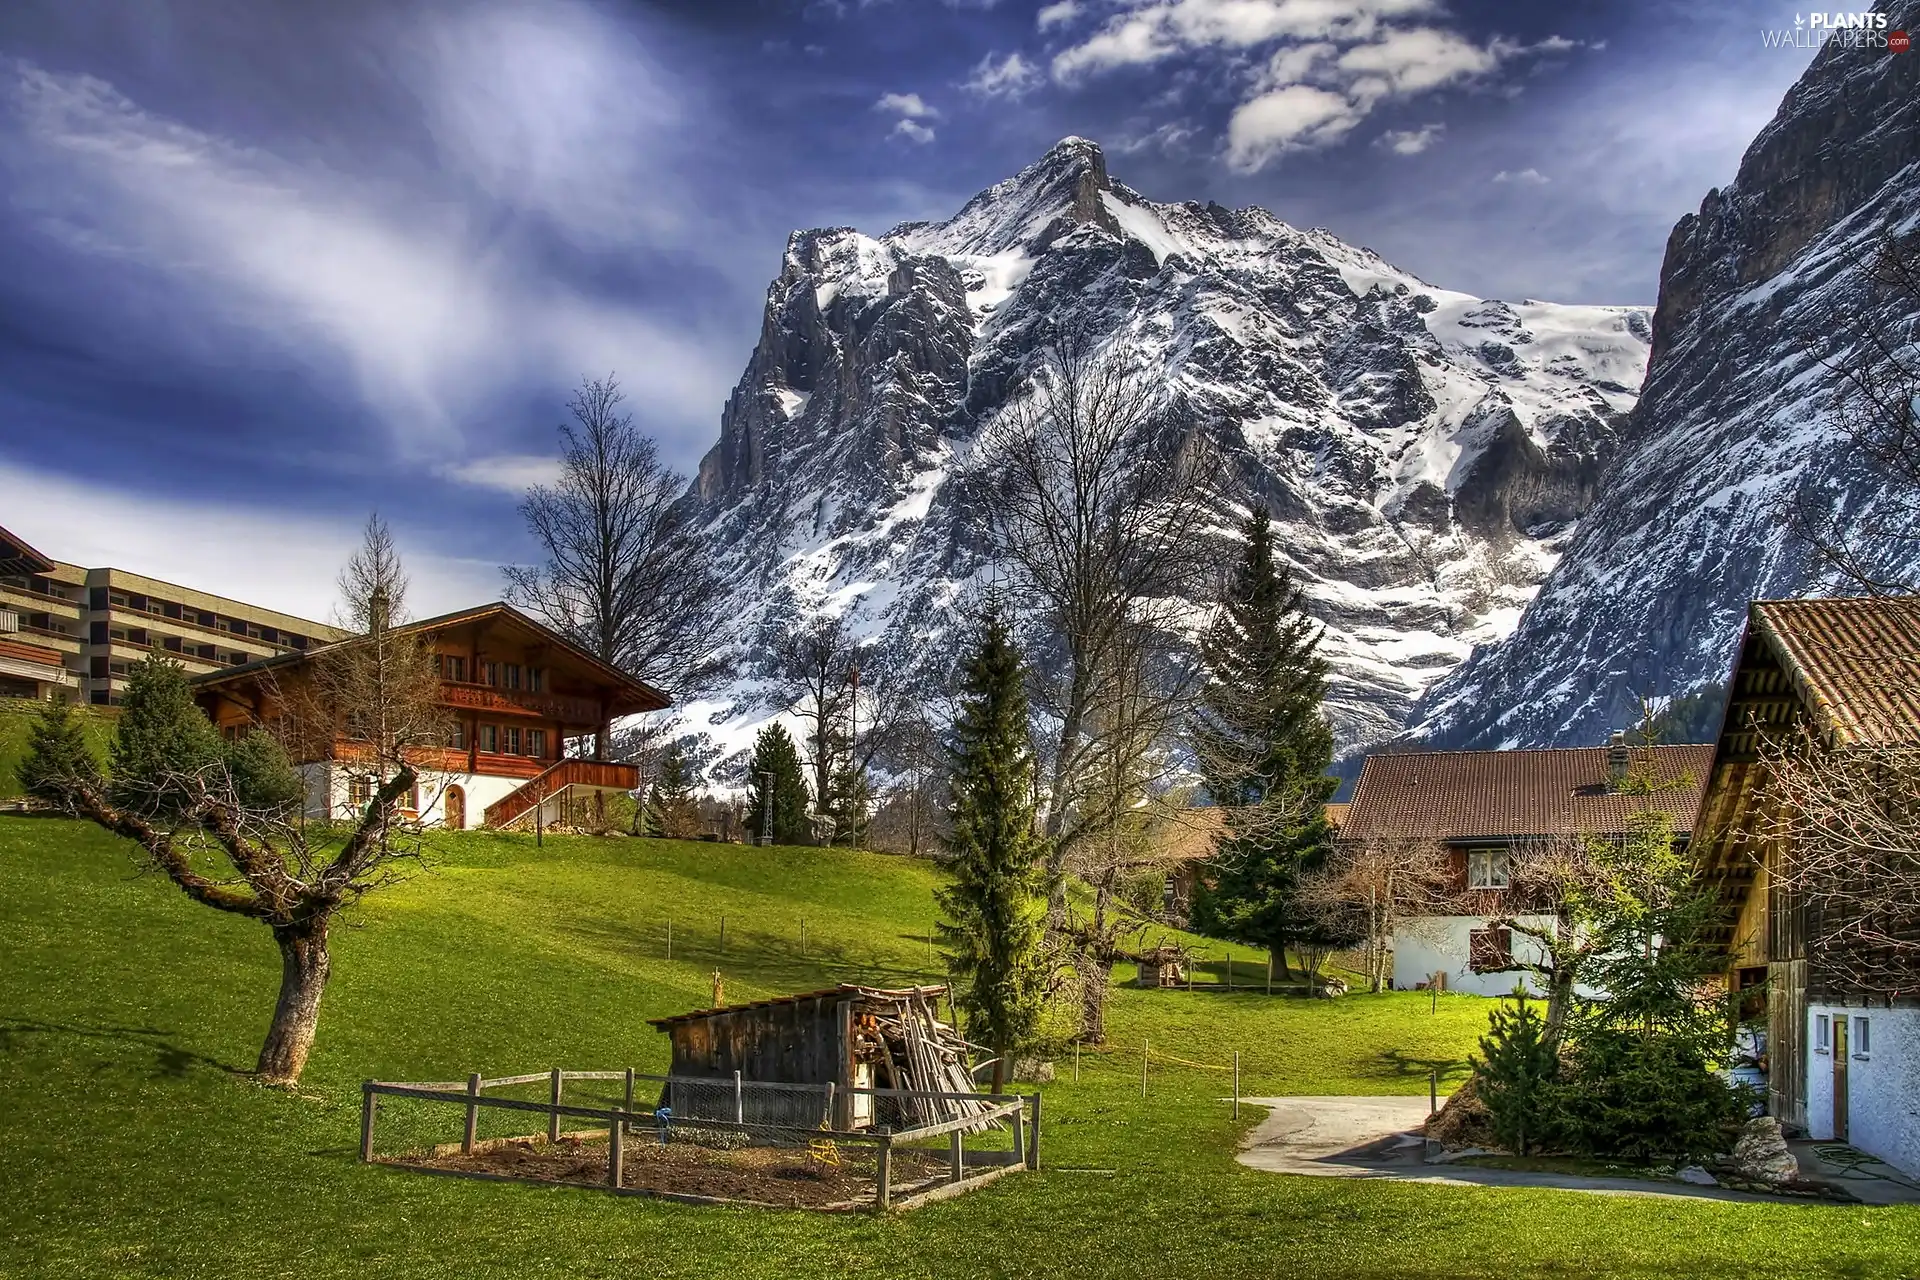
column 367, row 1105
column 739, row 1101
column 883, row 1173
column 1236, row 1084
column 473, row 1115
column 1229, row 968
column 1076, row 1062
column 829, row 1116
column 803, row 935
column 1433, row 1090
column 1269, row 973
column 1020, row 1133
column 553, row 1117
column 1146, row 1047
column 956, row 1157
column 1033, row 1140
column 616, row 1153
column 669, row 937
column 723, row 935
column 627, row 1106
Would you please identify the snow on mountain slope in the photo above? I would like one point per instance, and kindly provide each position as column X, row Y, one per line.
column 1760, row 292
column 1425, row 453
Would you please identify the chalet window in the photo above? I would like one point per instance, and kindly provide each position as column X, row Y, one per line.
column 513, row 740
column 537, row 743
column 457, row 736
column 1487, row 869
column 536, row 679
column 1822, row 1033
column 489, row 737
column 451, row 666
column 490, row 673
column 1862, row 1044
column 513, row 675
column 359, row 791
column 1489, row 950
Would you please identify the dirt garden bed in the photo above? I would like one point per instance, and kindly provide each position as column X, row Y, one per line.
column 826, row 1177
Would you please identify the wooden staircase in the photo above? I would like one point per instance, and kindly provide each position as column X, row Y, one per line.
column 589, row 775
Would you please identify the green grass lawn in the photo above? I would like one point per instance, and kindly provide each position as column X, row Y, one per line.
column 131, row 1147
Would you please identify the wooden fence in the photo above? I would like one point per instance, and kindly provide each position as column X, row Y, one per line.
column 1019, row 1112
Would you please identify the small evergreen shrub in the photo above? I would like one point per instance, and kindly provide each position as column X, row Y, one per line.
column 1647, row 1096
column 1515, row 1076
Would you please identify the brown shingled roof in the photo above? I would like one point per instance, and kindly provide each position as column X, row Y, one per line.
column 1855, row 663
column 1471, row 795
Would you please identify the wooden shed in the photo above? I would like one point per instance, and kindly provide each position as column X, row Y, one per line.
column 852, row 1037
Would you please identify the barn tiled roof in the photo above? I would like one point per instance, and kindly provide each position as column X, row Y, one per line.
column 1469, row 795
column 846, row 990
column 1855, row 663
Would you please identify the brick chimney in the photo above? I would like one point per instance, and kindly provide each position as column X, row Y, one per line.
column 1618, row 760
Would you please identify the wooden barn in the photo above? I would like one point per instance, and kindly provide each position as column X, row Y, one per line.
column 856, row 1039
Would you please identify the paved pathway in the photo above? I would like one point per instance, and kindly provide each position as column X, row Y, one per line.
column 1378, row 1138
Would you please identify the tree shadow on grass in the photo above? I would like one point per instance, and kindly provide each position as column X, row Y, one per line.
column 170, row 1060
column 761, row 959
column 1398, row 1064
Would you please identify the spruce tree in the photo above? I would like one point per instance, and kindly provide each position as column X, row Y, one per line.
column 162, row 737
column 1515, row 1073
column 996, row 907
column 1264, row 749
column 672, row 810
column 57, row 754
column 775, row 780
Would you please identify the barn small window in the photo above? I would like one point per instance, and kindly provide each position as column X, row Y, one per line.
column 1822, row 1033
column 1862, row 1044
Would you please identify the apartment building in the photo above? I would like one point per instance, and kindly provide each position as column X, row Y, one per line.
column 68, row 631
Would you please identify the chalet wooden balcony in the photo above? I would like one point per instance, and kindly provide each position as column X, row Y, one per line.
column 589, row 775
column 518, row 702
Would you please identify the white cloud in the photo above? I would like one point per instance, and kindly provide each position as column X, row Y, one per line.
column 1411, row 142
column 1008, row 77
column 1523, row 177
column 1058, row 14
column 908, row 105
column 1327, row 64
column 1296, row 115
column 262, row 555
column 913, row 131
column 513, row 473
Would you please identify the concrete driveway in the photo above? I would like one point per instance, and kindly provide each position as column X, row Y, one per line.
column 1343, row 1137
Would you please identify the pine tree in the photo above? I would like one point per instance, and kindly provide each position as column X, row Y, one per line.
column 672, row 810
column 775, row 773
column 161, row 738
column 57, row 753
column 1264, row 748
column 996, row 907
column 1515, row 1073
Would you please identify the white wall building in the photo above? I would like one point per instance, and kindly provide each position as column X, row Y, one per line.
column 1863, row 1080
column 1479, row 809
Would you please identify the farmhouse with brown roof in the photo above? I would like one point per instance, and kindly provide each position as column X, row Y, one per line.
column 1479, row 806
column 1842, row 1045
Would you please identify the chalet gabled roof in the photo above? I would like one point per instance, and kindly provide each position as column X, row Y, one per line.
column 16, row 556
column 1855, row 664
column 1462, row 796
column 641, row 695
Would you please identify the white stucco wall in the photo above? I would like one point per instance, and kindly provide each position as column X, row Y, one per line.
column 1883, row 1084
column 327, row 793
column 1441, row 944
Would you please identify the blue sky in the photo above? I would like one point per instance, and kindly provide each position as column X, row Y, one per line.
column 266, row 266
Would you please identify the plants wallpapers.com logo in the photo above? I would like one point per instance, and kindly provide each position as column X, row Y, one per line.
column 1862, row 30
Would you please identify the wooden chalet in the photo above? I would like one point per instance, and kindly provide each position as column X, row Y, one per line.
column 1478, row 807
column 1840, row 1061
column 516, row 693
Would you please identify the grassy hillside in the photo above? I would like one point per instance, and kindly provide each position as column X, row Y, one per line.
column 132, row 1148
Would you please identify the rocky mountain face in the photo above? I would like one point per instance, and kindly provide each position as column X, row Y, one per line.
column 1425, row 453
column 1764, row 294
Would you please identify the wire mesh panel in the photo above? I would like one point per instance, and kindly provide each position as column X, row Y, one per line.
column 781, row 1111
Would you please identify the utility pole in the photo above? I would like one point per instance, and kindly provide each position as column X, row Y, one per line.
column 766, row 806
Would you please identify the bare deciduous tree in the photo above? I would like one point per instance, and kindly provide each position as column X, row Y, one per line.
column 1387, row 886
column 1103, row 503
column 627, row 575
column 224, row 849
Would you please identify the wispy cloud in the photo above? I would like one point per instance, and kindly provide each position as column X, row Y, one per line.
column 1411, row 142
column 910, row 112
column 1011, row 76
column 512, row 473
column 1058, row 14
column 1522, row 177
